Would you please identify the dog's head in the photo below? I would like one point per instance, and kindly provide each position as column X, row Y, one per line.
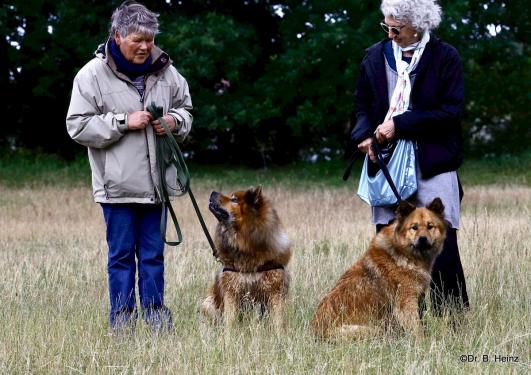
column 421, row 231
column 238, row 206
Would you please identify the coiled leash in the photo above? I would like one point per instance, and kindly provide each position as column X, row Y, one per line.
column 168, row 153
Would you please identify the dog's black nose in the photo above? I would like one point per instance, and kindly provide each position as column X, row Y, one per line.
column 423, row 242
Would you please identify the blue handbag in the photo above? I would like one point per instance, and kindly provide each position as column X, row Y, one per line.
column 400, row 169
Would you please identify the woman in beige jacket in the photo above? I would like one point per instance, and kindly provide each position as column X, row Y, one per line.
column 108, row 114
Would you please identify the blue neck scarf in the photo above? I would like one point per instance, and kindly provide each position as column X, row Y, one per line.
column 128, row 68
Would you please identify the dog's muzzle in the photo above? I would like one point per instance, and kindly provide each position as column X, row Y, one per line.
column 423, row 243
column 213, row 205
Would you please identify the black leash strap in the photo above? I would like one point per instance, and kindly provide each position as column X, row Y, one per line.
column 381, row 163
column 348, row 171
column 169, row 153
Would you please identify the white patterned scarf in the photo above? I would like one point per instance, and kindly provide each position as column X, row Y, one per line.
column 400, row 98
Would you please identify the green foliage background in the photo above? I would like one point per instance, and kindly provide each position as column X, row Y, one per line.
column 271, row 81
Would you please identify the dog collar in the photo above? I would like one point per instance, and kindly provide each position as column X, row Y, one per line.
column 269, row 266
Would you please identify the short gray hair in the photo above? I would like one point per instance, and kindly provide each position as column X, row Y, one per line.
column 422, row 15
column 132, row 17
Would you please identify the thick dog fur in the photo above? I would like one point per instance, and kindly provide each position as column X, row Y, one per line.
column 254, row 250
column 384, row 287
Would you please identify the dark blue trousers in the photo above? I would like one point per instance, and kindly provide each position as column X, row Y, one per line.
column 133, row 237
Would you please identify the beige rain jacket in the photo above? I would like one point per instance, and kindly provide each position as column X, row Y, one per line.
column 123, row 161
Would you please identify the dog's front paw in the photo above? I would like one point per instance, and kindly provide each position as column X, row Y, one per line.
column 210, row 311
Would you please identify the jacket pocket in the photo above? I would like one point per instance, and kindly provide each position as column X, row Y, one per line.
column 127, row 169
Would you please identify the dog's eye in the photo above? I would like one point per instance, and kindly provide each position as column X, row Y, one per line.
column 414, row 227
column 234, row 199
column 430, row 226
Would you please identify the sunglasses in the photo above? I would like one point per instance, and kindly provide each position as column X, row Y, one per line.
column 394, row 29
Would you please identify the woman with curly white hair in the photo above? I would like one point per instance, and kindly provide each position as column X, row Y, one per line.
column 410, row 86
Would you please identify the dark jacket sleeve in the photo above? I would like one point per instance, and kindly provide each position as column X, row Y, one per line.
column 363, row 96
column 443, row 118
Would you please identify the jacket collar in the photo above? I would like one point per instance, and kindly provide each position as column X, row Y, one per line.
column 377, row 49
column 427, row 56
column 161, row 60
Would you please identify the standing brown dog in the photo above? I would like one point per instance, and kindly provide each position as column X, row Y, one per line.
column 385, row 285
column 254, row 250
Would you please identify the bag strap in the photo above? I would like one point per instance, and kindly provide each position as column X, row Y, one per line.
column 381, row 163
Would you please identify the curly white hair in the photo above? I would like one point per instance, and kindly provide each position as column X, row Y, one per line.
column 422, row 15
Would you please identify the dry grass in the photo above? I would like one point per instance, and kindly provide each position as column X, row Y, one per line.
column 54, row 302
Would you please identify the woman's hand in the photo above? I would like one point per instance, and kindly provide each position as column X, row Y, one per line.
column 138, row 120
column 159, row 129
column 366, row 148
column 385, row 132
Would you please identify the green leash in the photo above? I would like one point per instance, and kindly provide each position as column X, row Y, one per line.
column 168, row 153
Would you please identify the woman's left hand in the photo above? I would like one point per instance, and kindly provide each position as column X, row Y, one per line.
column 159, row 129
column 385, row 132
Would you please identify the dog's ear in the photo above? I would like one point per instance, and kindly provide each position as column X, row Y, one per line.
column 254, row 196
column 404, row 209
column 436, row 206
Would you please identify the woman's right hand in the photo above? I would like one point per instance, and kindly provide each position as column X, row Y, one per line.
column 366, row 148
column 138, row 120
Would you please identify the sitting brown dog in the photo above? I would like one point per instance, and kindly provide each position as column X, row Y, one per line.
column 385, row 285
column 254, row 250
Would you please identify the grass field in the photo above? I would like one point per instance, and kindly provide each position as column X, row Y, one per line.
column 54, row 302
